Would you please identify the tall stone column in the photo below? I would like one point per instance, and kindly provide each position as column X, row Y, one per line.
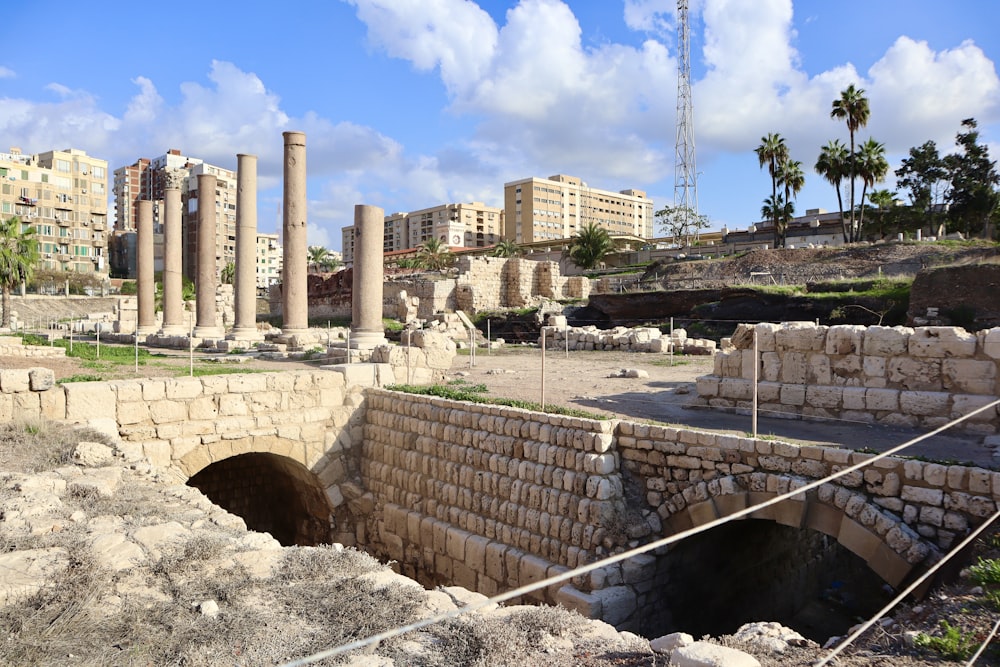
column 145, row 282
column 367, row 330
column 206, row 325
column 245, row 327
column 294, row 283
column 173, row 263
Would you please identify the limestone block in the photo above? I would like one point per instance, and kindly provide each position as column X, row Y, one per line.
column 765, row 336
column 844, row 339
column 873, row 367
column 915, row 374
column 52, row 403
column 824, row 397
column 668, row 643
column 587, row 604
column 617, row 603
column 819, row 369
column 41, row 379
column 963, row 404
column 705, row 654
column 991, row 342
column 882, row 341
column 183, row 388
column 941, row 342
column 924, row 403
column 793, row 394
column 969, row 376
column 770, row 363
column 800, row 336
column 794, row 368
column 736, row 388
column 858, row 539
column 89, row 400
column 161, row 412
column 14, row 380
column 882, row 399
column 769, row 392
column 924, row 496
column 133, row 412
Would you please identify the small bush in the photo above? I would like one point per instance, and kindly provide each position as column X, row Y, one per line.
column 952, row 643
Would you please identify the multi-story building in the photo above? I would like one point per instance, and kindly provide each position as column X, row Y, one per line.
column 269, row 260
column 146, row 179
column 471, row 225
column 63, row 195
column 538, row 209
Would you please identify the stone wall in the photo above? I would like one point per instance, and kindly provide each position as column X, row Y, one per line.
column 624, row 339
column 901, row 376
column 492, row 498
column 13, row 346
column 496, row 283
column 433, row 296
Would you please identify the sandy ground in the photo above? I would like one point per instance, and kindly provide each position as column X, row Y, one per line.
column 584, row 380
column 587, row 381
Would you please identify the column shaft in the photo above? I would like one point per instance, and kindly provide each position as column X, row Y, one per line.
column 294, row 283
column 367, row 330
column 145, row 283
column 245, row 326
column 173, row 252
column 206, row 325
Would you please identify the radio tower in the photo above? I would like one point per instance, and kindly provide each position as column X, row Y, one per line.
column 685, row 175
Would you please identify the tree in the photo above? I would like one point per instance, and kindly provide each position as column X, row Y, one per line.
column 872, row 168
column 590, row 245
column 832, row 165
column 321, row 260
column 680, row 222
column 777, row 209
column 925, row 177
column 772, row 152
column 18, row 257
column 792, row 179
column 884, row 200
column 228, row 274
column 852, row 107
column 434, row 255
column 507, row 249
column 974, row 180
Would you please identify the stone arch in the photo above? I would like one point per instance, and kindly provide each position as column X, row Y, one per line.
column 884, row 542
column 278, row 485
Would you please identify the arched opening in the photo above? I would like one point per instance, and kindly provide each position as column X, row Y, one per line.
column 758, row 570
column 272, row 494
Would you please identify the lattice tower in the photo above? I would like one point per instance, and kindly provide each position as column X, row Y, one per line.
column 685, row 173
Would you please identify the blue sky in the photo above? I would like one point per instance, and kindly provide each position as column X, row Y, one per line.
column 411, row 103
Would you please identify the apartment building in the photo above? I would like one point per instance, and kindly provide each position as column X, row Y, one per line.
column 269, row 260
column 469, row 225
column 146, row 179
column 539, row 209
column 63, row 195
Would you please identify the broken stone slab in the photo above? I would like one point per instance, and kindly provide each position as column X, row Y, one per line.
column 704, row 654
column 669, row 643
column 630, row 373
column 93, row 454
column 24, row 573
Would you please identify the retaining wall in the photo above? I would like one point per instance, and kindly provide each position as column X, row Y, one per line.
column 901, row 376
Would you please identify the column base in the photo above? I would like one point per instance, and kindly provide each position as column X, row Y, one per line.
column 209, row 332
column 146, row 330
column 174, row 330
column 244, row 333
column 367, row 340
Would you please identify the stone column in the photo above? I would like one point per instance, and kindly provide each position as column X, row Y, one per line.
column 206, row 325
column 245, row 327
column 367, row 330
column 145, row 281
column 294, row 283
column 173, row 263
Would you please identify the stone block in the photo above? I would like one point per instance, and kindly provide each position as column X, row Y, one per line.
column 963, row 404
column 924, row 403
column 89, row 400
column 991, row 342
column 705, row 654
column 882, row 399
column 889, row 565
column 41, row 379
column 586, row 604
column 618, row 603
column 824, row 519
column 857, row 539
column 844, row 339
column 824, row 396
column 793, row 394
column 794, row 368
column 915, row 373
column 882, row 341
column 941, row 342
column 969, row 376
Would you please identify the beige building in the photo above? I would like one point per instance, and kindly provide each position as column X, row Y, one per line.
column 269, row 259
column 471, row 225
column 539, row 209
column 63, row 195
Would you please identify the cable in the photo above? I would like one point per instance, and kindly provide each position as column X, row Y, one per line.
column 909, row 589
column 986, row 643
column 584, row 569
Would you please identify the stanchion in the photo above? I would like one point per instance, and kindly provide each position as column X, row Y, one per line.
column 409, row 335
column 191, row 350
column 137, row 352
column 348, row 346
column 489, row 343
column 756, row 363
column 566, row 334
column 543, row 369
column 98, row 340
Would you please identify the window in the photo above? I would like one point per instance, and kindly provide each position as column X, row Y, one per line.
column 62, row 165
column 98, row 172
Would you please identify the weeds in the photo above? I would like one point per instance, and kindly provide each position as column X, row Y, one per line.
column 952, row 643
column 472, row 395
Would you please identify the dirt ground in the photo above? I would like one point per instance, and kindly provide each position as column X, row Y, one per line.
column 584, row 380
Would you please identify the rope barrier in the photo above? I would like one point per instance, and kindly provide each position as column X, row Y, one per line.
column 989, row 638
column 611, row 560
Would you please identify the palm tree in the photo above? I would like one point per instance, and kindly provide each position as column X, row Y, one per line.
column 506, row 249
column 772, row 152
column 590, row 245
column 776, row 209
column 434, row 255
column 884, row 200
column 321, row 260
column 832, row 165
column 852, row 107
column 872, row 168
column 228, row 274
column 18, row 257
column 791, row 176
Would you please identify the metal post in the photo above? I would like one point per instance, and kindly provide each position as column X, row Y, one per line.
column 409, row 335
column 489, row 343
column 566, row 334
column 543, row 369
column 191, row 348
column 472, row 347
column 348, row 346
column 137, row 353
column 98, row 340
column 756, row 362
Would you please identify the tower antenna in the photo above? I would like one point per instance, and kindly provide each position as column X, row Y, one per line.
column 685, row 174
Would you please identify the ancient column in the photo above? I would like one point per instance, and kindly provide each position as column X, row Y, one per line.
column 367, row 330
column 145, row 282
column 245, row 327
column 173, row 263
column 294, row 283
column 206, row 279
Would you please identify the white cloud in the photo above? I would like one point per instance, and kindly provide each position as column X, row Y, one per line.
column 6, row 73
column 649, row 15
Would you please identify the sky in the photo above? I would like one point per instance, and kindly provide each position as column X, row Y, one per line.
column 407, row 104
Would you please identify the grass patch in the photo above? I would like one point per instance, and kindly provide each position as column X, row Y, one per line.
column 464, row 394
column 952, row 643
column 80, row 377
column 35, row 445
